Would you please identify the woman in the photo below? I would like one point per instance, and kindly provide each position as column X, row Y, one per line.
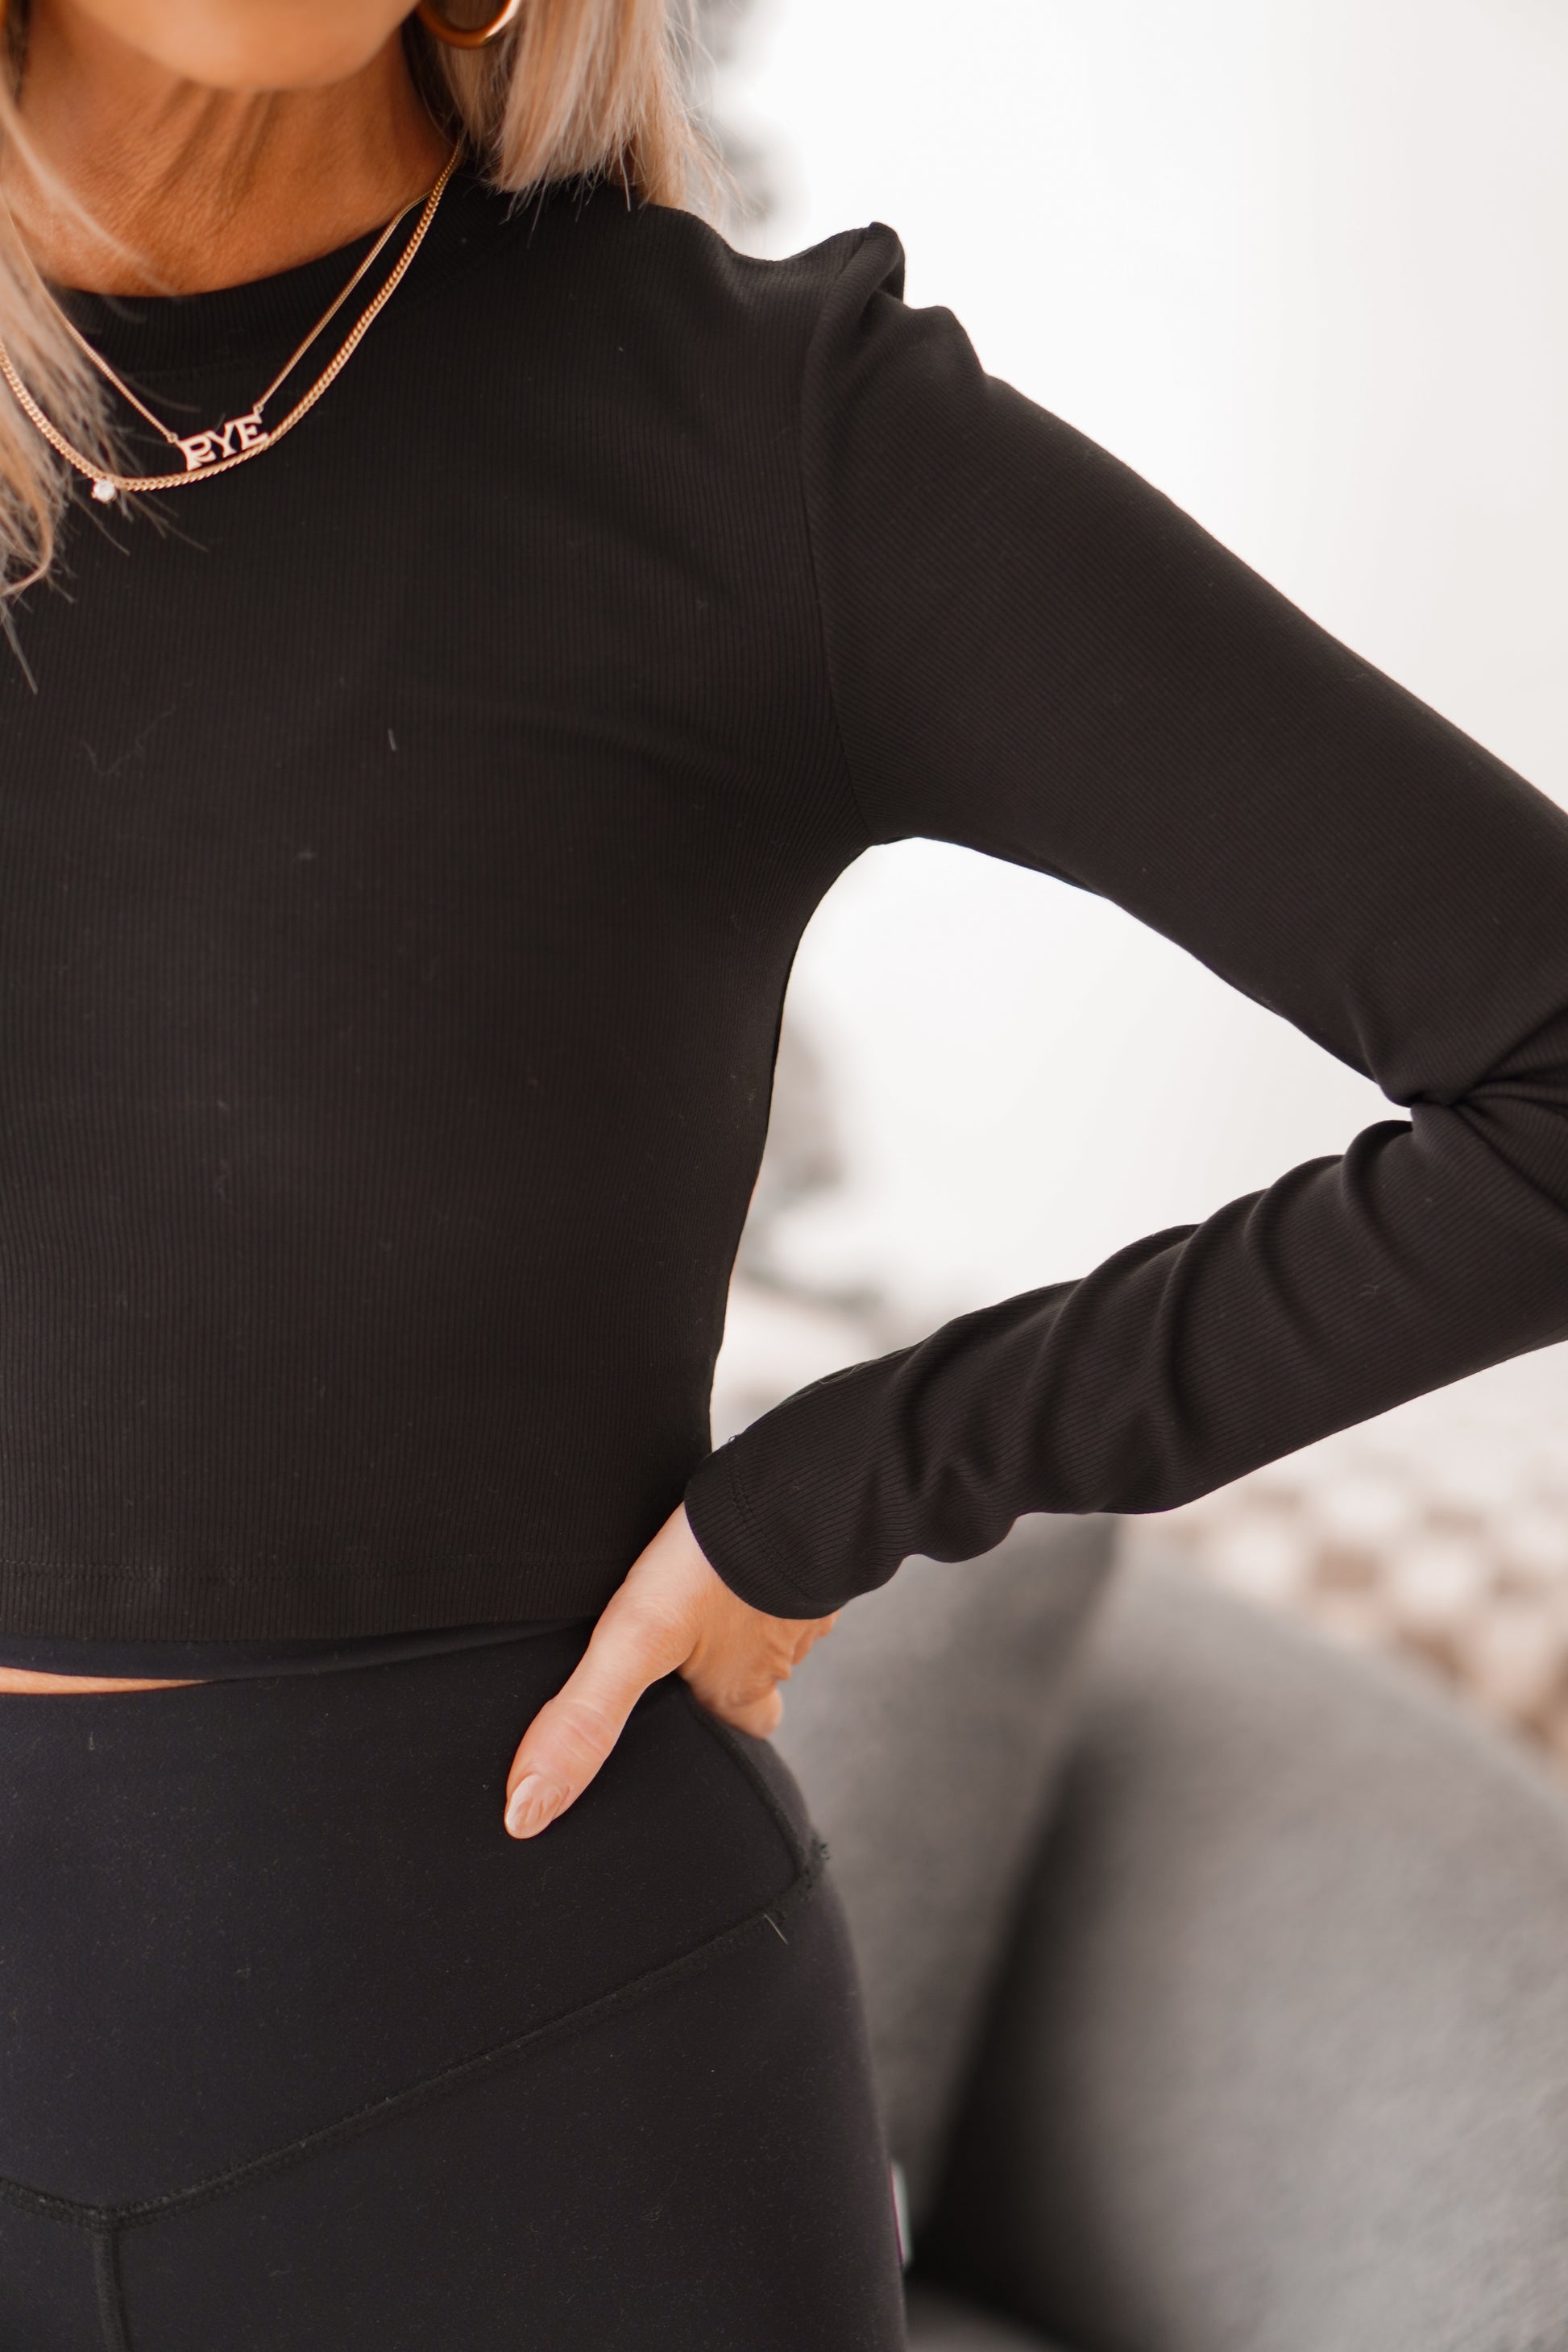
column 418, row 768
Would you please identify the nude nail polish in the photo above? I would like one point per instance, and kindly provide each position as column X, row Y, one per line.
column 532, row 1802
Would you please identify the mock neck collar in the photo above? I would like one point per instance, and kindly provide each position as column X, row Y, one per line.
column 256, row 324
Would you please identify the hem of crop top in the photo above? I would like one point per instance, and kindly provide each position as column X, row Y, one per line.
column 236, row 1660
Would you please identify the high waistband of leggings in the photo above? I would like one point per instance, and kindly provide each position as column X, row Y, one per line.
column 243, row 1914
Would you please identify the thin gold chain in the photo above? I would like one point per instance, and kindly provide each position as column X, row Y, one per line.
column 105, row 482
column 284, row 373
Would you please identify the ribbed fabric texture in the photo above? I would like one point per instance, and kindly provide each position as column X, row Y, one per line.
column 402, row 858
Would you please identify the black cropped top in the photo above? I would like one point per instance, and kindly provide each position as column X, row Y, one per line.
column 403, row 843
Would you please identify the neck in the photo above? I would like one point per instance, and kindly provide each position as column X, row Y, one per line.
column 198, row 187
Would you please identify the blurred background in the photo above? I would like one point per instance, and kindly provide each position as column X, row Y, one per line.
column 1302, row 267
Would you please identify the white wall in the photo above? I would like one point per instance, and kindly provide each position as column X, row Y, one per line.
column 1304, row 264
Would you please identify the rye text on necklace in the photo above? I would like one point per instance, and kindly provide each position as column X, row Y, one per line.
column 223, row 440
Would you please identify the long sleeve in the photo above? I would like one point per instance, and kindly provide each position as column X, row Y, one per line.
column 1034, row 652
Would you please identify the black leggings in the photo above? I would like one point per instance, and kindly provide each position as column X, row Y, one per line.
column 301, row 2052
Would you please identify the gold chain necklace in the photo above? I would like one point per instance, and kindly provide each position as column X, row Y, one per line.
column 237, row 438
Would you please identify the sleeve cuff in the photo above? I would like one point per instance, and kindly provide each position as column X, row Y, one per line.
column 732, row 1541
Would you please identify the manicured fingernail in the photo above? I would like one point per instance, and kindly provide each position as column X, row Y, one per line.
column 531, row 1803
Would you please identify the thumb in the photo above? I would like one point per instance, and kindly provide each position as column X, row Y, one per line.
column 569, row 1738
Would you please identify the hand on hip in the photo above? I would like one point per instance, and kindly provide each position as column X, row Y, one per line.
column 674, row 1613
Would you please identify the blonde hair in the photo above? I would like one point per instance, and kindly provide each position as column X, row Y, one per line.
column 578, row 88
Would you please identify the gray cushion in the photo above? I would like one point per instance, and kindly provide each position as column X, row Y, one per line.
column 1280, row 2062
column 941, row 2323
column 925, row 1731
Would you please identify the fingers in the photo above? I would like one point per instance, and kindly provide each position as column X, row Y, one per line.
column 762, row 1718
column 811, row 1631
column 738, row 1679
column 573, row 1733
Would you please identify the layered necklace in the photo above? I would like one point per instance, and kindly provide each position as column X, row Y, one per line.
column 236, row 438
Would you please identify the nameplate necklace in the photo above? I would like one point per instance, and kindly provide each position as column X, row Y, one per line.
column 221, row 446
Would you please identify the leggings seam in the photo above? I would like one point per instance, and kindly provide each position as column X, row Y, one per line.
column 110, row 2292
column 108, row 2220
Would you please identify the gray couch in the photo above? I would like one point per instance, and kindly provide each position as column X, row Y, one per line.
column 1218, row 1980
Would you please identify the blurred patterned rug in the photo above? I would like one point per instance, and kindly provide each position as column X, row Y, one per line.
column 1438, row 1532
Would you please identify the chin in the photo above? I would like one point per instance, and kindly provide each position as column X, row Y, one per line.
column 252, row 44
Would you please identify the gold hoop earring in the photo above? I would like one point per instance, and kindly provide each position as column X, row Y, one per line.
column 455, row 38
